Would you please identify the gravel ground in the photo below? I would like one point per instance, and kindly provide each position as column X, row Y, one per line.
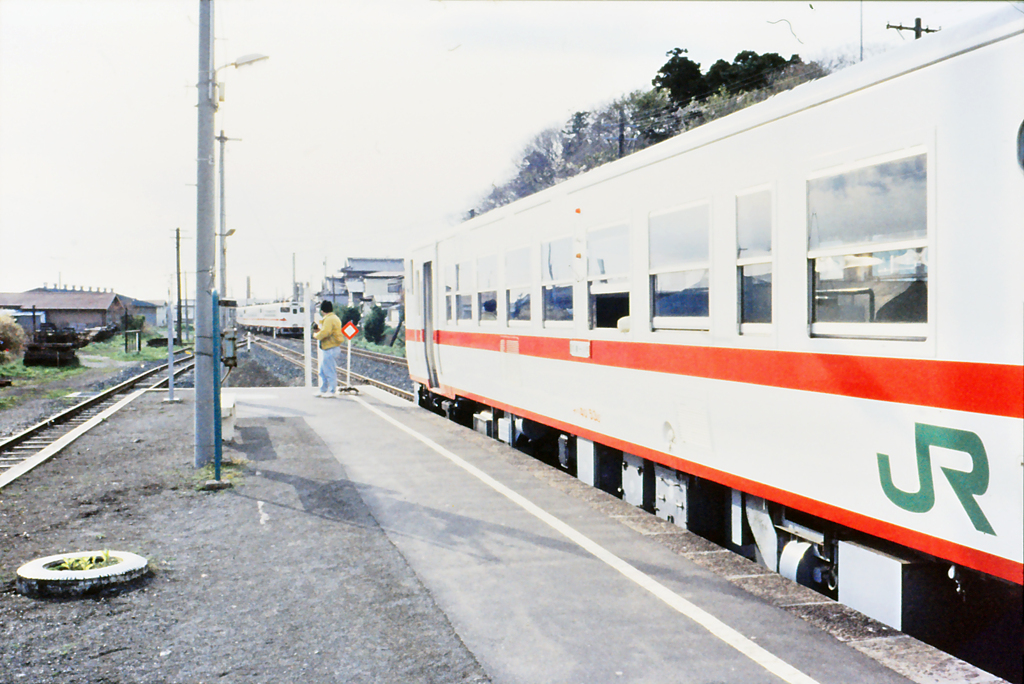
column 34, row 403
column 286, row 577
column 290, row 375
column 256, row 368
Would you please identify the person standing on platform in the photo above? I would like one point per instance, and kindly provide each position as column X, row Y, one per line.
column 329, row 335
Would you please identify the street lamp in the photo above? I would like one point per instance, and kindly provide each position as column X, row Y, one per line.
column 222, row 233
column 206, row 366
column 245, row 60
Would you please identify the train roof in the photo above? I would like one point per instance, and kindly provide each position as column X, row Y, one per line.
column 1004, row 23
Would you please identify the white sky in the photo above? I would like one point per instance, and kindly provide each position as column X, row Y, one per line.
column 372, row 124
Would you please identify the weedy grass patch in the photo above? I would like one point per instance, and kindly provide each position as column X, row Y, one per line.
column 114, row 349
column 25, row 375
column 231, row 471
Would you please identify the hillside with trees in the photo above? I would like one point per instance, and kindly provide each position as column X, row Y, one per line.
column 683, row 97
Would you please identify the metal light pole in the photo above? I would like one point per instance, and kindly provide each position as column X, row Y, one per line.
column 223, row 233
column 205, row 363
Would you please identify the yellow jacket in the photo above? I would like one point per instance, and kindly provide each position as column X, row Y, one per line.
column 330, row 334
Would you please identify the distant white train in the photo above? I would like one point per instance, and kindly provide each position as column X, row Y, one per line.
column 798, row 329
column 282, row 318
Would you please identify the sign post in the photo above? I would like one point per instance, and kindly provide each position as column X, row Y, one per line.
column 349, row 330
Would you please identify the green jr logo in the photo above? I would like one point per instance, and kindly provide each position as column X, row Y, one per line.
column 966, row 485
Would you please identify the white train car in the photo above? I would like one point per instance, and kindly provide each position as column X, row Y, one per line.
column 279, row 318
column 801, row 325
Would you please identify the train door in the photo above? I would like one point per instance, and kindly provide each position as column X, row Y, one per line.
column 428, row 322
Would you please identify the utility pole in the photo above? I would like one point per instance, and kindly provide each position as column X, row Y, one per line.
column 916, row 28
column 223, row 232
column 177, row 263
column 206, row 365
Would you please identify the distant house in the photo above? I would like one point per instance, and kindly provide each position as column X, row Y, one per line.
column 24, row 318
column 335, row 291
column 148, row 310
column 366, row 283
column 69, row 307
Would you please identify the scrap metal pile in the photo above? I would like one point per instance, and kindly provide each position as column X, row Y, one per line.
column 53, row 347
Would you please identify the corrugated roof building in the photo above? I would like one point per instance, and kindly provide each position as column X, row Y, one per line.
column 78, row 309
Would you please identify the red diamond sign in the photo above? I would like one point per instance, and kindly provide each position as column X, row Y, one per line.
column 349, row 330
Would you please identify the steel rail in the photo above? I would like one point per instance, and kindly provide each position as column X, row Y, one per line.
column 290, row 356
column 365, row 353
column 68, row 414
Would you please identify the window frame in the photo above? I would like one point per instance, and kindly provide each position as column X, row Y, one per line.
column 911, row 331
column 546, row 284
column 603, row 283
column 759, row 328
column 687, row 323
column 463, row 289
column 451, row 279
column 478, row 301
column 510, row 285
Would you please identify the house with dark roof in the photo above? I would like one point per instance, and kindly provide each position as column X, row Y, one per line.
column 367, row 282
column 70, row 307
column 148, row 310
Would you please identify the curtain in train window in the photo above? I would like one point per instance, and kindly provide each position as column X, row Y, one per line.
column 868, row 250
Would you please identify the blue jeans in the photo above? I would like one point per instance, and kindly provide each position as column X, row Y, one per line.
column 329, row 369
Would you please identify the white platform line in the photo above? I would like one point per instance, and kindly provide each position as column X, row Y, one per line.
column 709, row 622
column 44, row 455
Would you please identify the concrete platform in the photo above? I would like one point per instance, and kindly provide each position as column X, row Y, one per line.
column 545, row 579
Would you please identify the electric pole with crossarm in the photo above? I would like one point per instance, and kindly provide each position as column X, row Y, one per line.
column 916, row 28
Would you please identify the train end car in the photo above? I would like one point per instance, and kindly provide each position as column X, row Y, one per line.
column 797, row 330
column 287, row 319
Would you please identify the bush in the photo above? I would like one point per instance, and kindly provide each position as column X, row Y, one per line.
column 12, row 339
column 350, row 313
column 134, row 322
column 373, row 326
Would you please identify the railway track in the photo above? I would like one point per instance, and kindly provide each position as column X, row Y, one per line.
column 295, row 357
column 27, row 449
column 363, row 353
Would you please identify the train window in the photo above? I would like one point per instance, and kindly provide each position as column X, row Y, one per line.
column 868, row 252
column 517, row 282
column 285, row 309
column 754, row 256
column 557, row 279
column 464, row 291
column 608, row 275
column 449, row 292
column 680, row 267
column 487, row 288
column 881, row 203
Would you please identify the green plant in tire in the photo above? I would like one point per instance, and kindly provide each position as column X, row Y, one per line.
column 73, row 563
